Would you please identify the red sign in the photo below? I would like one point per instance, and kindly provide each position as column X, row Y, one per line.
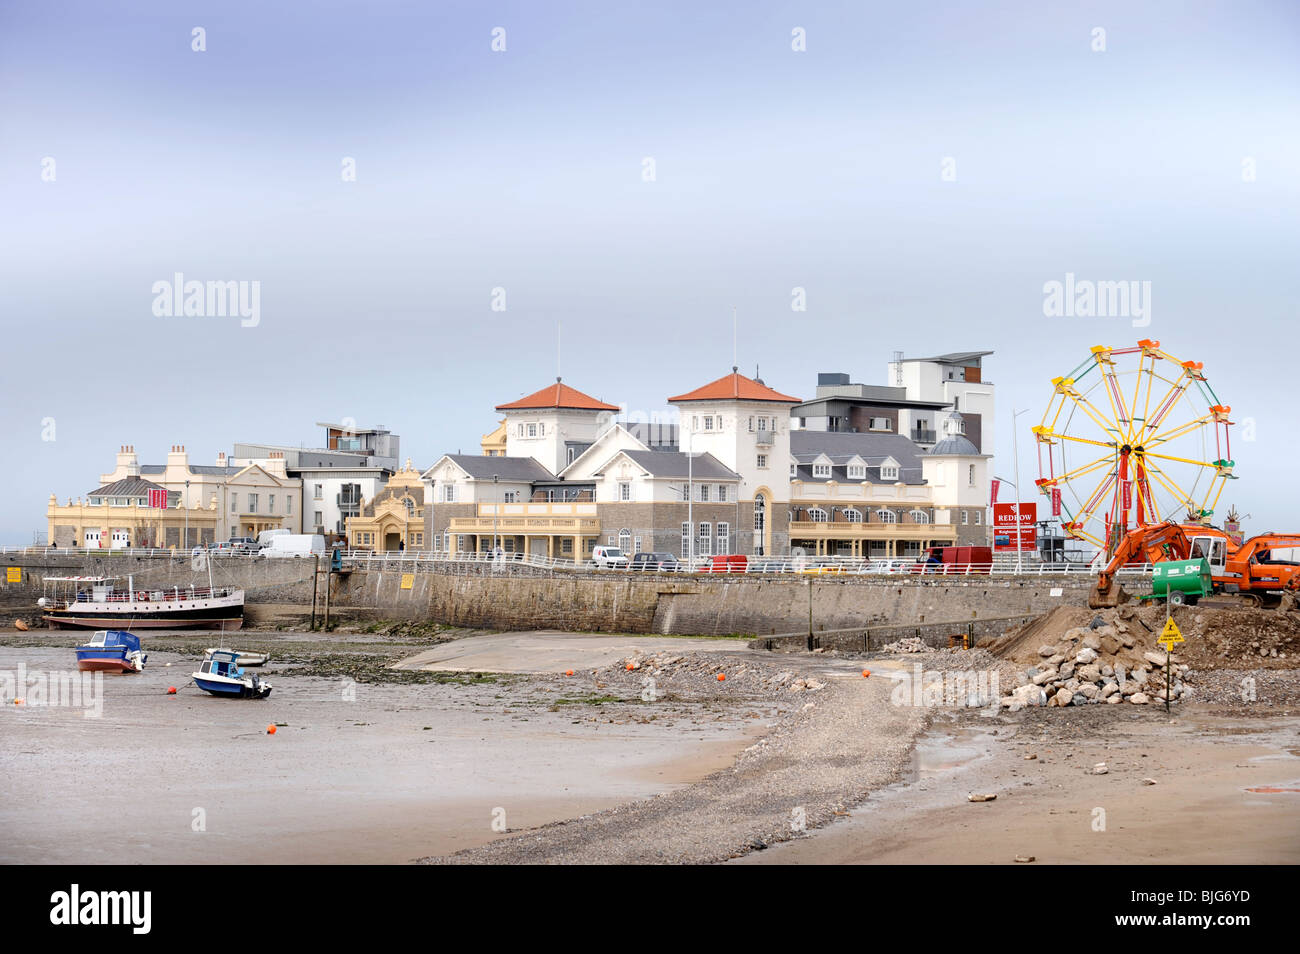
column 158, row 498
column 1006, row 535
column 1056, row 501
column 1128, row 495
column 993, row 490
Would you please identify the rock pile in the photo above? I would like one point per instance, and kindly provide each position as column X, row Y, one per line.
column 1099, row 664
column 688, row 675
column 908, row 644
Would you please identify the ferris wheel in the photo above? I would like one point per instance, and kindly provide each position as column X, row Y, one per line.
column 1132, row 436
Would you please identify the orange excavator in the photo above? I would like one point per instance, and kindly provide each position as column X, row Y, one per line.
column 1261, row 569
column 1264, row 568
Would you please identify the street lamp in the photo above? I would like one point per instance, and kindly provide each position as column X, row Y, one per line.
column 186, row 544
column 496, row 509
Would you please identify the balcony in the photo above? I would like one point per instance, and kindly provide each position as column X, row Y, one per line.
column 843, row 530
column 922, row 436
column 539, row 519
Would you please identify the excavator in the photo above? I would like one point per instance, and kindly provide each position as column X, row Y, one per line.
column 1261, row 569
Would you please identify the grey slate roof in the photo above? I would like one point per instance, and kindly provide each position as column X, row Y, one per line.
column 956, row 444
column 675, row 464
column 507, row 468
column 126, row 487
column 842, row 446
column 211, row 470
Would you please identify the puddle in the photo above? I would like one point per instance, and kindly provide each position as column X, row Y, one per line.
column 940, row 751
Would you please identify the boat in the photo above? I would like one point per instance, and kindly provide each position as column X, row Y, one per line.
column 220, row 675
column 97, row 602
column 242, row 658
column 111, row 650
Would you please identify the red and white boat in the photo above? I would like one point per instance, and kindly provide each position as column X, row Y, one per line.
column 94, row 602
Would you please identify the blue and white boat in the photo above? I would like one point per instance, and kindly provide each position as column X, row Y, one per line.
column 111, row 650
column 221, row 675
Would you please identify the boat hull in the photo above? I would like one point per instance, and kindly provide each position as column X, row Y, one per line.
column 235, row 689
column 61, row 620
column 105, row 664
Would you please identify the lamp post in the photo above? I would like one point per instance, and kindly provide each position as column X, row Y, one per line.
column 690, row 500
column 496, row 509
column 1015, row 451
column 186, row 544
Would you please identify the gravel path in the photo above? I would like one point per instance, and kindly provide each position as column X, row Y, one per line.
column 846, row 741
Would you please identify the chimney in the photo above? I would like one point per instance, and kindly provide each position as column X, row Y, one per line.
column 178, row 458
column 127, row 463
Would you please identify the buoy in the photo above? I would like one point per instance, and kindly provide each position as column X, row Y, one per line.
column 866, row 673
column 18, row 702
column 629, row 667
column 722, row 677
column 20, row 625
column 270, row 730
column 568, row 672
column 171, row 690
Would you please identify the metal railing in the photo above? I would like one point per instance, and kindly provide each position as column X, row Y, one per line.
column 703, row 565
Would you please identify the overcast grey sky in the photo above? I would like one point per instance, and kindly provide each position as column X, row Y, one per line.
column 1171, row 156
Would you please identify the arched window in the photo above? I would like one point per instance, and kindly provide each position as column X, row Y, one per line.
column 920, row 516
column 852, row 516
column 760, row 514
column 625, row 540
column 816, row 514
column 887, row 516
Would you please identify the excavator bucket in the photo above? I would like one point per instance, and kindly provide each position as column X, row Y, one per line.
column 1114, row 596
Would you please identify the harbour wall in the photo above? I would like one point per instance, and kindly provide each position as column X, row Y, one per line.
column 279, row 592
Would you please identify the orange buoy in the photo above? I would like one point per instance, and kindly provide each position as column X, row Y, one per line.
column 18, row 702
column 171, row 690
column 629, row 667
column 866, row 673
column 270, row 730
column 568, row 672
column 722, row 677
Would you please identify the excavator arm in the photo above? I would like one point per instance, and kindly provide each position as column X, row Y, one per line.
column 1165, row 541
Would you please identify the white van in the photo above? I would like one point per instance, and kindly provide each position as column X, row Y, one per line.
column 294, row 545
column 609, row 558
column 266, row 536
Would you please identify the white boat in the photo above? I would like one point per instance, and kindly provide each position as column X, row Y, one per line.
column 95, row 602
column 241, row 658
column 221, row 676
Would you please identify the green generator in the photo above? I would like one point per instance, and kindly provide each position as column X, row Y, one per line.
column 1180, row 581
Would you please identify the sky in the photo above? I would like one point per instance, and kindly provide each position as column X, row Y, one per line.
column 920, row 171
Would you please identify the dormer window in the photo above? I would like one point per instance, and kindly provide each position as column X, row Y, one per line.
column 889, row 470
column 821, row 468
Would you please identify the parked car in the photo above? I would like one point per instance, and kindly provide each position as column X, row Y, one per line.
column 609, row 558
column 657, row 562
column 222, row 546
column 243, row 545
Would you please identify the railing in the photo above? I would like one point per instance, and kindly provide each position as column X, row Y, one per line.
column 775, row 565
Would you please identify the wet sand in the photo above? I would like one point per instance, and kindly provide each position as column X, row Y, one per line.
column 340, row 781
column 1200, row 811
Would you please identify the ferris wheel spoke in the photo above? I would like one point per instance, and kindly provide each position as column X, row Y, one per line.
column 1180, row 460
column 1164, row 437
column 1084, row 470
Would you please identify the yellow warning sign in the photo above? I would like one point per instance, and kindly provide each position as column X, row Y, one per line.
column 13, row 574
column 408, row 581
column 1170, row 636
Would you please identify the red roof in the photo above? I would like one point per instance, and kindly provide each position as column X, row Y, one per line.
column 558, row 395
column 735, row 386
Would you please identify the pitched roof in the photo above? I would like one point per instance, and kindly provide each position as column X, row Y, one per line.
column 557, row 395
column 736, row 387
column 126, row 487
column 842, row 446
column 675, row 464
column 506, row 468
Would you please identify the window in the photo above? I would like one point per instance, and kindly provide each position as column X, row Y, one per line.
column 762, row 462
column 880, row 424
column 288, row 504
column 234, row 503
column 751, row 424
column 708, row 422
column 887, row 516
column 510, row 496
column 724, row 538
column 705, row 547
column 270, row 503
column 816, row 514
column 821, row 470
column 318, row 492
column 762, row 423
column 320, row 519
column 532, row 430
column 446, row 542
column 853, row 516
column 857, row 472
column 704, row 493
column 448, row 493
column 636, row 544
column 570, row 454
column 978, row 516
column 889, row 471
column 970, row 475
column 686, row 540
column 965, row 516
column 541, row 430
column 919, row 516
column 625, row 540
column 719, row 422
column 625, row 491
column 794, row 470
column 521, row 430
column 419, row 539
column 722, row 493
